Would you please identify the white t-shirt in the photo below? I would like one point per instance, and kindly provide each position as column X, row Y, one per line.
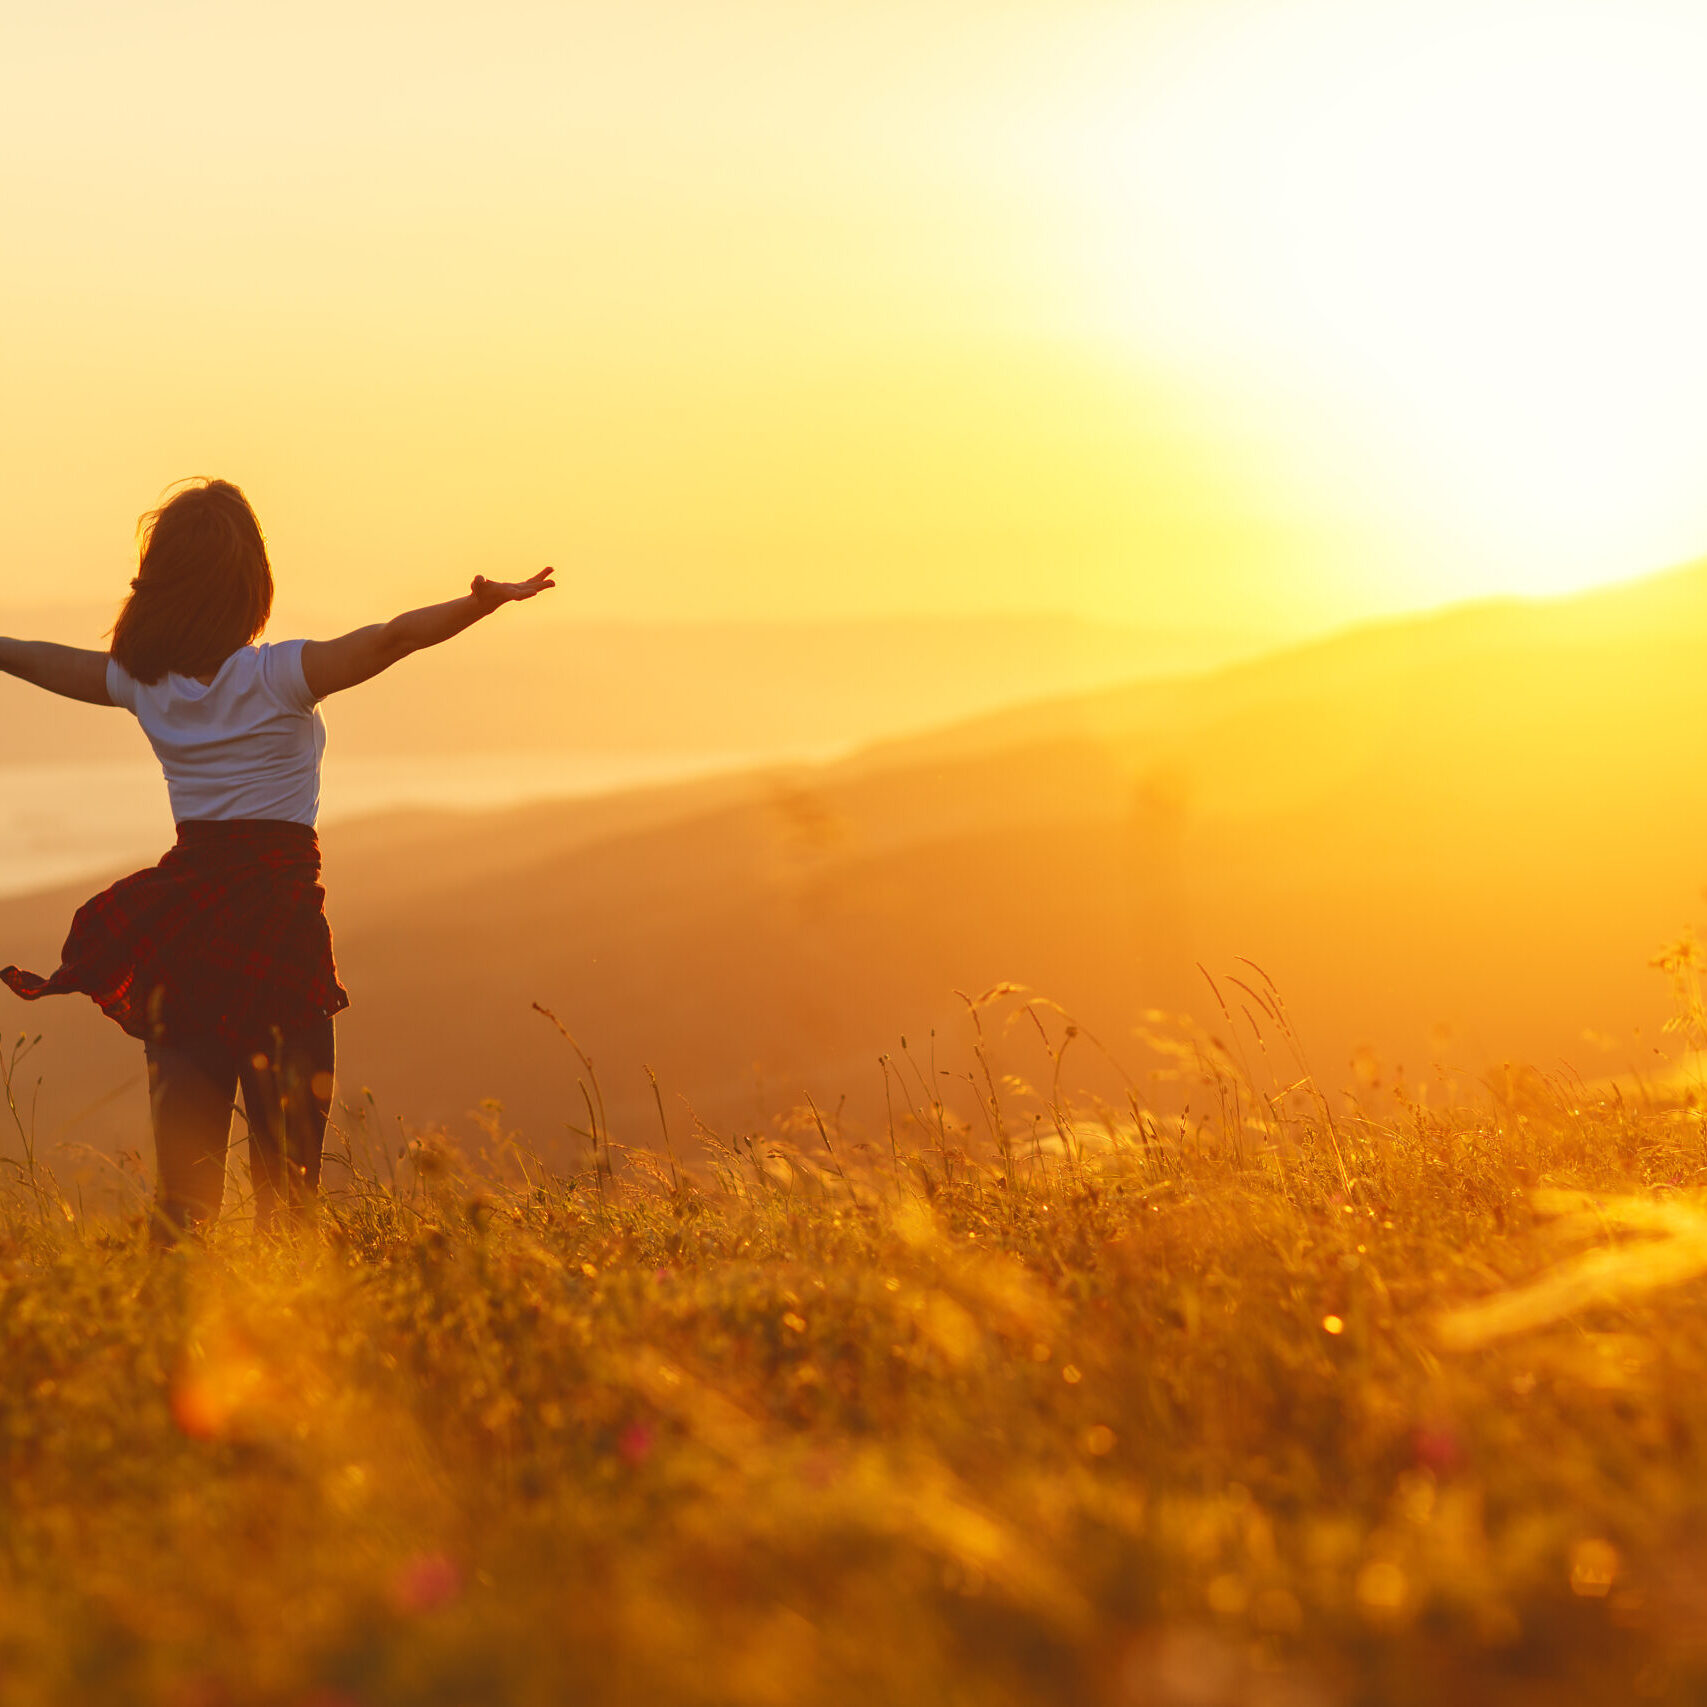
column 247, row 745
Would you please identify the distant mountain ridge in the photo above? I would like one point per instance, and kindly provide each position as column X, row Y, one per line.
column 1671, row 604
column 1453, row 842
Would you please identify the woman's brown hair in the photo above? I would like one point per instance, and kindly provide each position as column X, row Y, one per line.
column 203, row 588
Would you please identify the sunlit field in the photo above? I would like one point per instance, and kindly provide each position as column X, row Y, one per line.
column 1054, row 491
column 1025, row 1398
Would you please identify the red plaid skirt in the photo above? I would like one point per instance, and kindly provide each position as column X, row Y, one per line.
column 226, row 937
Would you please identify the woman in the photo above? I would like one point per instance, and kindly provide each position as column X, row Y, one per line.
column 219, row 958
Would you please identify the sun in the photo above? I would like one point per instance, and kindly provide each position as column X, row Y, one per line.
column 1467, row 238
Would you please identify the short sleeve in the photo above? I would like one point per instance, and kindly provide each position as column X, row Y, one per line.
column 282, row 671
column 121, row 685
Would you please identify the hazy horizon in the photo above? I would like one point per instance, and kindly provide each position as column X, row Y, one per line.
column 533, row 709
column 1395, row 822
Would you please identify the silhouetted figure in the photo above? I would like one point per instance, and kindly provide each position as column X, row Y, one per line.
column 219, row 958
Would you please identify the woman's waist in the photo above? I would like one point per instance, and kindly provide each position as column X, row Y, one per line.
column 281, row 843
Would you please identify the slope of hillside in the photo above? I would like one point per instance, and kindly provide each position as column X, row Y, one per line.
column 1670, row 606
column 1452, row 842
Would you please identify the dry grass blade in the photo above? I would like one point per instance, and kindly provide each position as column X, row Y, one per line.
column 1608, row 1276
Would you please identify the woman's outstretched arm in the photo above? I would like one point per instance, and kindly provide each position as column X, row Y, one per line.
column 331, row 665
column 67, row 670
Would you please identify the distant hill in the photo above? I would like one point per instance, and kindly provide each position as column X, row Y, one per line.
column 1453, row 842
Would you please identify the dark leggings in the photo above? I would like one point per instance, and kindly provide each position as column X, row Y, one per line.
column 287, row 1093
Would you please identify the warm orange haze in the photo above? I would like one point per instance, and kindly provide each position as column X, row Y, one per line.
column 1188, row 314
column 1039, row 1040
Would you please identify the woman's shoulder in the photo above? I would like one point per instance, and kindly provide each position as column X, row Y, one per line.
column 262, row 658
column 278, row 665
column 270, row 654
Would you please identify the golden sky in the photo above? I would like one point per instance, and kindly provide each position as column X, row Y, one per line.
column 1197, row 313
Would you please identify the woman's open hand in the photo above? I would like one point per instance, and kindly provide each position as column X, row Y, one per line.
column 491, row 594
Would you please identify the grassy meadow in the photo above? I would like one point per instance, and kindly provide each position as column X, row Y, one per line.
column 1285, row 1399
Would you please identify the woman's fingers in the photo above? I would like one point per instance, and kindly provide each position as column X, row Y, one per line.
column 500, row 592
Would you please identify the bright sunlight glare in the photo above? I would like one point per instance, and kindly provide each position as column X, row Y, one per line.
column 1466, row 234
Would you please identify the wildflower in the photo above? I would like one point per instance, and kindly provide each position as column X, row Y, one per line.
column 1435, row 1447
column 425, row 1582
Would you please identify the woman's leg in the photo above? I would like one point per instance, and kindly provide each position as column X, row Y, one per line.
column 287, row 1095
column 191, row 1091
